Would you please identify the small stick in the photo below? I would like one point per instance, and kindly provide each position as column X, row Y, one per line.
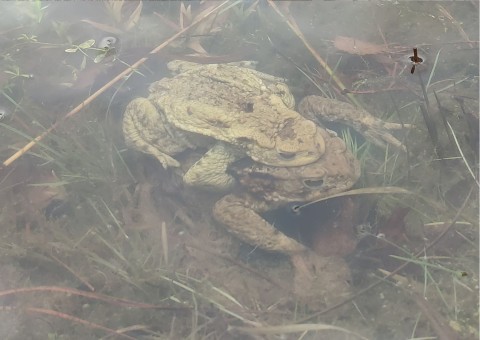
column 294, row 27
column 120, row 76
column 438, row 323
column 77, row 320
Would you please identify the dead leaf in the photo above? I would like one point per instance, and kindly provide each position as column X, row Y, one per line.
column 116, row 9
column 185, row 15
column 134, row 17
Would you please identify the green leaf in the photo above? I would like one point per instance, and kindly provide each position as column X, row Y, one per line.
column 87, row 44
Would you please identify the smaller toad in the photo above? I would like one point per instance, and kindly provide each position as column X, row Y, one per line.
column 262, row 188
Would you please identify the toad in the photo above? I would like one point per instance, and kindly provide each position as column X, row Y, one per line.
column 262, row 188
column 286, row 157
column 228, row 107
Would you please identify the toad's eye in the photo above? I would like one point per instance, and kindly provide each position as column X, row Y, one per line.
column 287, row 155
column 313, row 183
column 107, row 42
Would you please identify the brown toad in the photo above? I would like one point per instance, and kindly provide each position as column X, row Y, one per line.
column 262, row 188
column 226, row 107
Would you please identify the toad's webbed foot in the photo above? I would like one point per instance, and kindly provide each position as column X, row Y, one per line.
column 320, row 280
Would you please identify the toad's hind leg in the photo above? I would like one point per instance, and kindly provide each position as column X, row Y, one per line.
column 377, row 131
column 144, row 130
column 210, row 171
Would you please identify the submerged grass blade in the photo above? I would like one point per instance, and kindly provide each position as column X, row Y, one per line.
column 165, row 242
column 293, row 328
column 117, row 222
column 24, row 135
column 433, row 69
column 350, row 141
column 120, row 157
column 423, row 263
column 365, row 191
column 463, row 156
column 49, row 184
column 210, row 300
column 228, row 296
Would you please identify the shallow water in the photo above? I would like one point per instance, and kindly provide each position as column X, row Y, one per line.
column 88, row 220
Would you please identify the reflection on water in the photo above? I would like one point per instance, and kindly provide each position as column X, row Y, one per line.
column 88, row 218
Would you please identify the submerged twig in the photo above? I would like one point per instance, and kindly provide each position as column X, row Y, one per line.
column 440, row 326
column 438, row 323
column 120, row 76
column 294, row 27
column 77, row 320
